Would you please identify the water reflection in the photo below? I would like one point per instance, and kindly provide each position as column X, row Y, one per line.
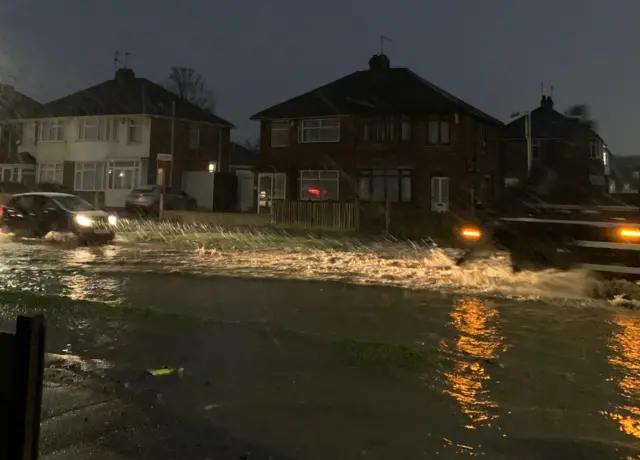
column 479, row 340
column 625, row 357
column 79, row 286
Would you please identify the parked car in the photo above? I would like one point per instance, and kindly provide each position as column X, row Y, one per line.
column 36, row 214
column 146, row 199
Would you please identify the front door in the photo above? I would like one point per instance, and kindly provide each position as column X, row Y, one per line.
column 271, row 186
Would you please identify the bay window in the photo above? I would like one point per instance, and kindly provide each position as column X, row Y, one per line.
column 381, row 185
column 98, row 129
column 50, row 173
column 53, row 130
column 319, row 130
column 123, row 175
column 89, row 177
column 319, row 185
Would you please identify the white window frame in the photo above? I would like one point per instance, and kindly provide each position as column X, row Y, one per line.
column 122, row 166
column 46, row 168
column 98, row 168
column 327, row 130
column 106, row 129
column 133, row 123
column 280, row 133
column 56, row 126
column 194, row 137
column 440, row 186
column 320, row 176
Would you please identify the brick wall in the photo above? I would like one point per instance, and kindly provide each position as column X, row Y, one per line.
column 185, row 158
column 353, row 153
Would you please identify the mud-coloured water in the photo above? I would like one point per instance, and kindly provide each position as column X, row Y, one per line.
column 483, row 363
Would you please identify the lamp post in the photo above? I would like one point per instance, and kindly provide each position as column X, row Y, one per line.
column 212, row 171
column 527, row 133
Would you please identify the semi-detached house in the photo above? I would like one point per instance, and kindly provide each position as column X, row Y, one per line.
column 103, row 141
column 383, row 134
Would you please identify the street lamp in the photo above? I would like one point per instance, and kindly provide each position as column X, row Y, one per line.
column 527, row 133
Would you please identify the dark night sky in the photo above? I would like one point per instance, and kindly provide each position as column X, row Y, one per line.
column 492, row 53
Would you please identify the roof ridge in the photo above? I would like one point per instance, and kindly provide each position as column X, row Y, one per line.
column 451, row 97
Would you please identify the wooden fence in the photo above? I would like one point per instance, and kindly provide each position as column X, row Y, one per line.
column 320, row 215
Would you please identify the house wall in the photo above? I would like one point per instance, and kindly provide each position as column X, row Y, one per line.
column 353, row 153
column 212, row 140
column 73, row 149
column 561, row 172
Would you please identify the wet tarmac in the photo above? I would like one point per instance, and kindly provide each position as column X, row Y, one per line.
column 317, row 370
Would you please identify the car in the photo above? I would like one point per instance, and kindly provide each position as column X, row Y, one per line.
column 33, row 215
column 146, row 199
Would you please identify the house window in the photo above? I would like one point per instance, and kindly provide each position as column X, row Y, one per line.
column 483, row 135
column 635, row 174
column 134, row 131
column 89, row 177
column 438, row 132
column 381, row 185
column 98, row 129
column 387, row 131
column 50, row 173
column 319, row 185
column 320, row 130
column 194, row 137
column 535, row 148
column 123, row 175
column 440, row 194
column 595, row 149
column 280, row 133
column 52, row 131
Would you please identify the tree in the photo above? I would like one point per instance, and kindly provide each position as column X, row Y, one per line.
column 252, row 144
column 191, row 86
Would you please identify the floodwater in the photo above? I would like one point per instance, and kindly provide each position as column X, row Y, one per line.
column 499, row 367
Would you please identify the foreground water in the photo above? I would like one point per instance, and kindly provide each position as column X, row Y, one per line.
column 336, row 370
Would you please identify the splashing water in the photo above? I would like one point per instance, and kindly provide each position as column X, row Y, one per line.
column 201, row 249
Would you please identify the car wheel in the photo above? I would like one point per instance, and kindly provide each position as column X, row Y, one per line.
column 192, row 206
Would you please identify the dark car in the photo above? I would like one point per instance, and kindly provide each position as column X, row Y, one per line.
column 33, row 215
column 146, row 199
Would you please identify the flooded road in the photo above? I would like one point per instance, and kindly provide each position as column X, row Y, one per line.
column 316, row 370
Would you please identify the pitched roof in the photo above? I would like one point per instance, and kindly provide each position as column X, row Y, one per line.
column 14, row 104
column 127, row 94
column 546, row 123
column 241, row 156
column 377, row 91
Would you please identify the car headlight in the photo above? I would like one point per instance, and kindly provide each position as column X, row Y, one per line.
column 113, row 220
column 83, row 221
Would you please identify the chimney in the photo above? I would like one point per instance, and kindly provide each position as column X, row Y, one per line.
column 546, row 102
column 125, row 75
column 379, row 62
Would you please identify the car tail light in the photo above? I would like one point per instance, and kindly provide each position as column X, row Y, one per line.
column 471, row 233
column 1, row 211
column 631, row 234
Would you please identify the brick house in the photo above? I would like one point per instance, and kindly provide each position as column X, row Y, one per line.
column 380, row 134
column 16, row 166
column 570, row 161
column 103, row 141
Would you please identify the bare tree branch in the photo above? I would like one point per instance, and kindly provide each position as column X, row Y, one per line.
column 252, row 144
column 192, row 87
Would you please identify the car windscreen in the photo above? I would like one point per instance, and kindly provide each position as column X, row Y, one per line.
column 73, row 203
